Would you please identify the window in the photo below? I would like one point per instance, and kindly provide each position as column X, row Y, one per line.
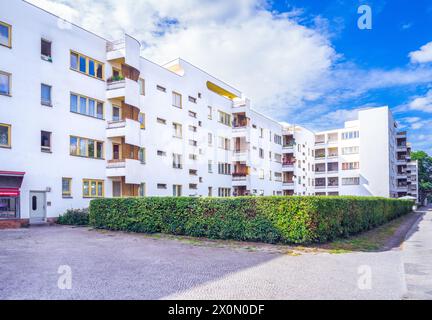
column 224, row 192
column 261, row 133
column 160, row 88
column 83, row 147
column 5, row 135
column 224, row 168
column 5, row 34
column 142, row 190
column 161, row 153
column 177, row 190
column 210, row 191
column 192, row 114
column 45, row 141
column 5, row 83
column 142, row 155
column 193, row 172
column 278, row 176
column 225, row 118
column 210, row 166
column 86, row 65
column 278, row 157
column 210, row 139
column 193, row 143
column 141, row 120
column 46, row 95
column 161, row 121
column 141, row 83
column 161, row 186
column 177, row 130
column 224, row 143
column 192, row 99
column 46, row 50
column 210, row 112
column 193, row 186
column 93, row 188
column 351, row 181
column 66, row 187
column 177, row 161
column 350, row 165
column 193, row 157
column 350, row 150
column 116, row 113
column 350, row 135
column 261, row 174
column 261, row 153
column 277, row 139
column 86, row 106
column 176, row 100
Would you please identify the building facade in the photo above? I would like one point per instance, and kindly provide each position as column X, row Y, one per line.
column 82, row 117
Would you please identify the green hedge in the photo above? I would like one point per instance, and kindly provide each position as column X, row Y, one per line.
column 265, row 219
column 75, row 217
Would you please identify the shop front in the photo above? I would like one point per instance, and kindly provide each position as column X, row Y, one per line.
column 10, row 184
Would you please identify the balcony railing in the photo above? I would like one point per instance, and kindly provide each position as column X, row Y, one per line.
column 116, row 124
column 120, row 84
column 116, row 45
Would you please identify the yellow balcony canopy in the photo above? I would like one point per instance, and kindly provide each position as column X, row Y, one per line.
column 221, row 91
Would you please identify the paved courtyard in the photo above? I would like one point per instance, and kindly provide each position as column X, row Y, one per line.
column 109, row 265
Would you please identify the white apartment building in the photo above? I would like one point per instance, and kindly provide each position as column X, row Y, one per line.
column 82, row 117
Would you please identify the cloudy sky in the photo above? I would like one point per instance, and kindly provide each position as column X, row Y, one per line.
column 300, row 61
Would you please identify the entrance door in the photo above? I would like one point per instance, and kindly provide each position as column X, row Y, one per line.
column 116, row 189
column 37, row 207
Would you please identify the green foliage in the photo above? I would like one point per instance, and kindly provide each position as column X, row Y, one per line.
column 424, row 172
column 75, row 217
column 264, row 219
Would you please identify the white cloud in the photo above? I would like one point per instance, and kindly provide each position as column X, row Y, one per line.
column 422, row 103
column 288, row 70
column 423, row 55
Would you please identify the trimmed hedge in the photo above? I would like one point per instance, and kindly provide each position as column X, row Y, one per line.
column 283, row 219
column 74, row 217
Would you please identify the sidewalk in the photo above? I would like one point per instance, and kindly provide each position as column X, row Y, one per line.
column 417, row 258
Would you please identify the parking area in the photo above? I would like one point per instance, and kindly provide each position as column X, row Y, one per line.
column 38, row 262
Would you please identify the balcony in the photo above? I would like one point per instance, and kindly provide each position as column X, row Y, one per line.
column 124, row 89
column 288, row 184
column 131, row 169
column 128, row 128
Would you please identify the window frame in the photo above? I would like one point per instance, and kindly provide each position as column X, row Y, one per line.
column 178, row 95
column 78, row 107
column 97, row 63
column 68, row 193
column 46, row 103
column 9, row 133
column 48, row 148
column 43, row 56
column 9, row 27
column 9, row 76
column 90, row 181
column 78, row 153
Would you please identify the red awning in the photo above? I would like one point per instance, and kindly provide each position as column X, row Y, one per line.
column 9, row 192
column 10, row 183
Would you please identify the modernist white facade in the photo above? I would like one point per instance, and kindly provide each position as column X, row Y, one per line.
column 82, row 117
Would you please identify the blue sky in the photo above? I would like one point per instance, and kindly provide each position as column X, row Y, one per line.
column 300, row 61
column 399, row 27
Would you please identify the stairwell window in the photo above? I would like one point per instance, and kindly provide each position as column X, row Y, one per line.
column 5, row 83
column 5, row 34
column 177, row 161
column 224, row 118
column 46, row 95
column 46, row 53
column 142, row 190
column 141, row 119
column 141, row 83
column 5, row 135
column 177, row 190
column 177, row 130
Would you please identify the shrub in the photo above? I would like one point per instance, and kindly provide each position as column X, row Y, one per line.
column 75, row 217
column 266, row 219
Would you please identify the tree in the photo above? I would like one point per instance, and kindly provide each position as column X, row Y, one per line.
column 424, row 173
